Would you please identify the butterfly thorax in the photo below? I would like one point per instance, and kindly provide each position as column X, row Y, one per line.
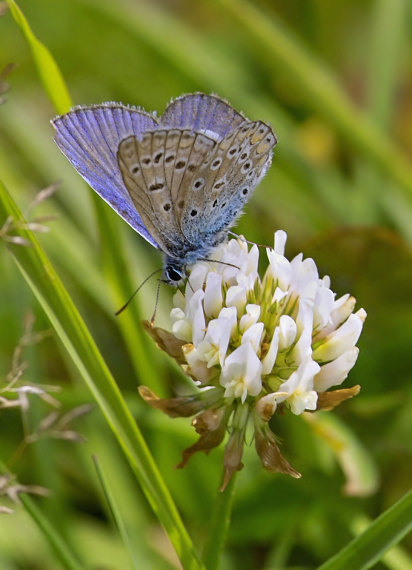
column 175, row 267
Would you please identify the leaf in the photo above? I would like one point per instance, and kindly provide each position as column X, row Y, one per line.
column 388, row 529
column 49, row 72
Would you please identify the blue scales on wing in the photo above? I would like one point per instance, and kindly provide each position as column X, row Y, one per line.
column 89, row 137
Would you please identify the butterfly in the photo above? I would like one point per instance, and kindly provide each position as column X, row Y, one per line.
column 180, row 180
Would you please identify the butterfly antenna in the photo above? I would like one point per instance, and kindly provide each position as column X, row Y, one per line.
column 218, row 261
column 156, row 302
column 246, row 240
column 117, row 313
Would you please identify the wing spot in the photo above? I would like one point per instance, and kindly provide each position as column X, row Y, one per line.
column 214, row 204
column 199, row 183
column 179, row 165
column 245, row 191
column 181, row 205
column 193, row 213
column 223, row 205
column 219, row 184
column 169, row 158
column 157, row 158
column 167, row 206
column 146, row 161
column 134, row 169
column 246, row 166
column 232, row 151
column 215, row 164
column 262, row 130
column 156, row 186
column 243, row 156
column 191, row 167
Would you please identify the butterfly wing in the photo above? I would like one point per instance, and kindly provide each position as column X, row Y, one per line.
column 207, row 114
column 231, row 172
column 89, row 137
column 155, row 172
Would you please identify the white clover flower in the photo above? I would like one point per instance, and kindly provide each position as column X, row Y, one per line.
column 261, row 343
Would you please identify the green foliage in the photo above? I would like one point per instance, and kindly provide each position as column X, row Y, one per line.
column 333, row 79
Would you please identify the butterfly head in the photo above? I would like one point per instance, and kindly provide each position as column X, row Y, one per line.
column 174, row 273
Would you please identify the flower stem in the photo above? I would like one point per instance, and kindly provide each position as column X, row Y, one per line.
column 221, row 514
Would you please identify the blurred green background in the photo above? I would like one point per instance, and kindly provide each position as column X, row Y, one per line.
column 334, row 80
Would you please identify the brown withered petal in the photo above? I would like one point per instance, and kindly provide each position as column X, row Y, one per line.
column 209, row 420
column 269, row 453
column 206, row 443
column 228, row 473
column 329, row 400
column 233, row 456
column 166, row 341
column 181, row 407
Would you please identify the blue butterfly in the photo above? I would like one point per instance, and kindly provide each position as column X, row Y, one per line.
column 180, row 180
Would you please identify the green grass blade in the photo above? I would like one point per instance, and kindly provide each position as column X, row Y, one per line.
column 115, row 511
column 366, row 549
column 219, row 526
column 388, row 34
column 320, row 88
column 115, row 263
column 49, row 72
column 63, row 553
column 118, row 275
column 60, row 548
column 76, row 338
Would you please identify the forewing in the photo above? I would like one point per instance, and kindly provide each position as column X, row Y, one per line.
column 89, row 137
column 207, row 114
column 231, row 173
column 145, row 180
column 157, row 172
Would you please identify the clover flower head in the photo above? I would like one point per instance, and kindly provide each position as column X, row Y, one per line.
column 254, row 344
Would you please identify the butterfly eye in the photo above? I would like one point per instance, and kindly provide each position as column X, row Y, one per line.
column 173, row 274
